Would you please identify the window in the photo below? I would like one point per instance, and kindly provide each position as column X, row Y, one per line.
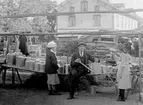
column 97, row 8
column 95, row 39
column 129, row 25
column 96, row 20
column 71, row 9
column 122, row 22
column 107, row 39
column 84, row 6
column 71, row 20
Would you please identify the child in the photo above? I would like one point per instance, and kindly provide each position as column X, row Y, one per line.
column 51, row 68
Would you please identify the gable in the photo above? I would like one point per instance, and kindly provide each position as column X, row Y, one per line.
column 63, row 7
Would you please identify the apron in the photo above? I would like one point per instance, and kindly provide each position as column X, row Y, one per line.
column 123, row 73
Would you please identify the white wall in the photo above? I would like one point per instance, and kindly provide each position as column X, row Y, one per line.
column 124, row 23
column 85, row 20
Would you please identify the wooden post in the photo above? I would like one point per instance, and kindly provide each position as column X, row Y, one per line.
column 140, row 69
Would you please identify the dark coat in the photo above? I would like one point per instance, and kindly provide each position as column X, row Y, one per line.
column 84, row 59
column 51, row 66
column 23, row 45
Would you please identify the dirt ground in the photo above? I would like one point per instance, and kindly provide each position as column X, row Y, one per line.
column 20, row 96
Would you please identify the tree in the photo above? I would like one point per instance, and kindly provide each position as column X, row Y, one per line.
column 10, row 7
column 32, row 24
column 69, row 48
column 42, row 24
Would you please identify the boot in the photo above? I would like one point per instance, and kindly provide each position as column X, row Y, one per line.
column 56, row 93
column 50, row 92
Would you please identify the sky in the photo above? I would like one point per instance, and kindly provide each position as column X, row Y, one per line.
column 136, row 4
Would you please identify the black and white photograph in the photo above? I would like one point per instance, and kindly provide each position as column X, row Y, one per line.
column 71, row 52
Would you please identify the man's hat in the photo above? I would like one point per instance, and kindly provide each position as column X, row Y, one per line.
column 81, row 43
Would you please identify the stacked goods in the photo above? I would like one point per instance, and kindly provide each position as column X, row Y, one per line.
column 61, row 70
column 11, row 58
column 37, row 65
column 42, row 67
column 20, row 61
column 27, row 64
column 69, row 60
column 67, row 67
column 107, row 69
column 2, row 58
column 63, row 60
column 93, row 90
column 96, row 68
column 60, row 64
column 30, row 63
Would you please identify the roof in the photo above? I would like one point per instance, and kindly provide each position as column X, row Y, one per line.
column 114, row 6
column 119, row 5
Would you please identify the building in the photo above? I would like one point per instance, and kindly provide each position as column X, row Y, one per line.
column 94, row 22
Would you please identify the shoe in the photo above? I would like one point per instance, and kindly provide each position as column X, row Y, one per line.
column 120, row 99
column 57, row 93
column 70, row 98
column 51, row 93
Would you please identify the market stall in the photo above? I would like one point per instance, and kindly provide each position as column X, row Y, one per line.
column 103, row 73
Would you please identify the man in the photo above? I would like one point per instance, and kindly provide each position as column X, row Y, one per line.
column 78, row 69
column 51, row 68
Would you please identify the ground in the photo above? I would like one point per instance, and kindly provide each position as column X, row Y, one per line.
column 21, row 96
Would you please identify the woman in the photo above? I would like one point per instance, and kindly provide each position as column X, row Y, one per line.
column 123, row 73
column 51, row 68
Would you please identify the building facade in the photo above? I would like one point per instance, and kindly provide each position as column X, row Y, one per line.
column 94, row 21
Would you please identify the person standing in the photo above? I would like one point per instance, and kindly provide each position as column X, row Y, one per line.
column 123, row 73
column 51, row 68
column 77, row 69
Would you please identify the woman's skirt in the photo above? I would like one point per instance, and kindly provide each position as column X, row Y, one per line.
column 53, row 79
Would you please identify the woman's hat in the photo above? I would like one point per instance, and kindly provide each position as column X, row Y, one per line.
column 51, row 44
column 81, row 43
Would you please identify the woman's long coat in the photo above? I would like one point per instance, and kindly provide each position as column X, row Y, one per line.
column 123, row 74
column 51, row 66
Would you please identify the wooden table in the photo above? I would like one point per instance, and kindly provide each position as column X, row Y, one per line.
column 14, row 69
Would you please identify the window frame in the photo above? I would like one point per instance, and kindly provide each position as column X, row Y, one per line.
column 71, row 9
column 71, row 20
column 97, row 19
column 95, row 8
column 84, row 6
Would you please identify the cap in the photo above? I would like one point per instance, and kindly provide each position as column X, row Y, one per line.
column 81, row 43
